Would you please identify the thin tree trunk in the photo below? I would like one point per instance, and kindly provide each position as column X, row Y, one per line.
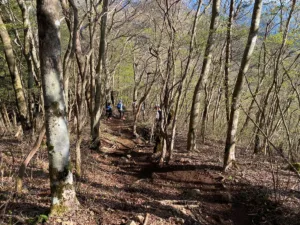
column 195, row 110
column 92, row 88
column 217, row 106
column 183, row 79
column 261, row 120
column 15, row 75
column 27, row 51
column 259, row 83
column 83, row 66
column 205, row 115
column 2, row 125
column 22, row 169
column 281, row 153
column 14, row 119
column 5, row 117
column 227, row 58
column 229, row 155
column 96, row 144
column 261, row 114
column 139, row 105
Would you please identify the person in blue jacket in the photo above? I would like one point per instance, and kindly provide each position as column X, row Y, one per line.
column 109, row 111
column 121, row 109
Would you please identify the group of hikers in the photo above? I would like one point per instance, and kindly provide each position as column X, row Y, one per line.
column 120, row 107
column 156, row 126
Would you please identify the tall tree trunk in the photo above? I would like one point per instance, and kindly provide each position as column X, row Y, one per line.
column 63, row 197
column 227, row 57
column 92, row 84
column 99, row 86
column 15, row 75
column 182, row 83
column 261, row 114
column 4, row 115
column 27, row 51
column 83, row 67
column 229, row 156
column 195, row 110
column 204, row 114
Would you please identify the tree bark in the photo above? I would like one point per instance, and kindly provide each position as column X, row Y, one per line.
column 99, row 86
column 63, row 197
column 27, row 51
column 195, row 110
column 227, row 58
column 229, row 156
column 70, row 53
column 15, row 75
column 261, row 114
column 182, row 82
column 5, row 117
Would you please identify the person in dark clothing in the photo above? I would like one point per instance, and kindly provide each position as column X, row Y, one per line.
column 158, row 116
column 109, row 111
column 157, row 131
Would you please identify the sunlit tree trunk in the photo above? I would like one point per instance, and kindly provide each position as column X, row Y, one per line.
column 180, row 95
column 26, row 52
column 63, row 197
column 5, row 117
column 15, row 75
column 229, row 156
column 195, row 110
column 227, row 58
column 92, row 79
column 261, row 115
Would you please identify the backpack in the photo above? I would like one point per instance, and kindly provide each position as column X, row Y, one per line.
column 119, row 105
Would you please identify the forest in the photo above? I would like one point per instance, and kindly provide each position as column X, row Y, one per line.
column 150, row 112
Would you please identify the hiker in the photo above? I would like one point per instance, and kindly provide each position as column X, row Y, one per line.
column 157, row 131
column 109, row 111
column 121, row 109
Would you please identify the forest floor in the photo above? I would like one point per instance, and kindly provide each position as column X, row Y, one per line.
column 120, row 185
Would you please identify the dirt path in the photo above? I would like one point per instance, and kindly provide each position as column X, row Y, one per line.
column 126, row 184
column 120, row 185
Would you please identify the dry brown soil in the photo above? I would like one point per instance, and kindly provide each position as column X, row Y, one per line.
column 120, row 183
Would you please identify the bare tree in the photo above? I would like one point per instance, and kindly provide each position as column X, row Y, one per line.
column 229, row 155
column 227, row 58
column 195, row 110
column 15, row 75
column 100, row 86
column 28, row 51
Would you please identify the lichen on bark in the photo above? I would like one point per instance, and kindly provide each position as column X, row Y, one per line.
column 63, row 196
